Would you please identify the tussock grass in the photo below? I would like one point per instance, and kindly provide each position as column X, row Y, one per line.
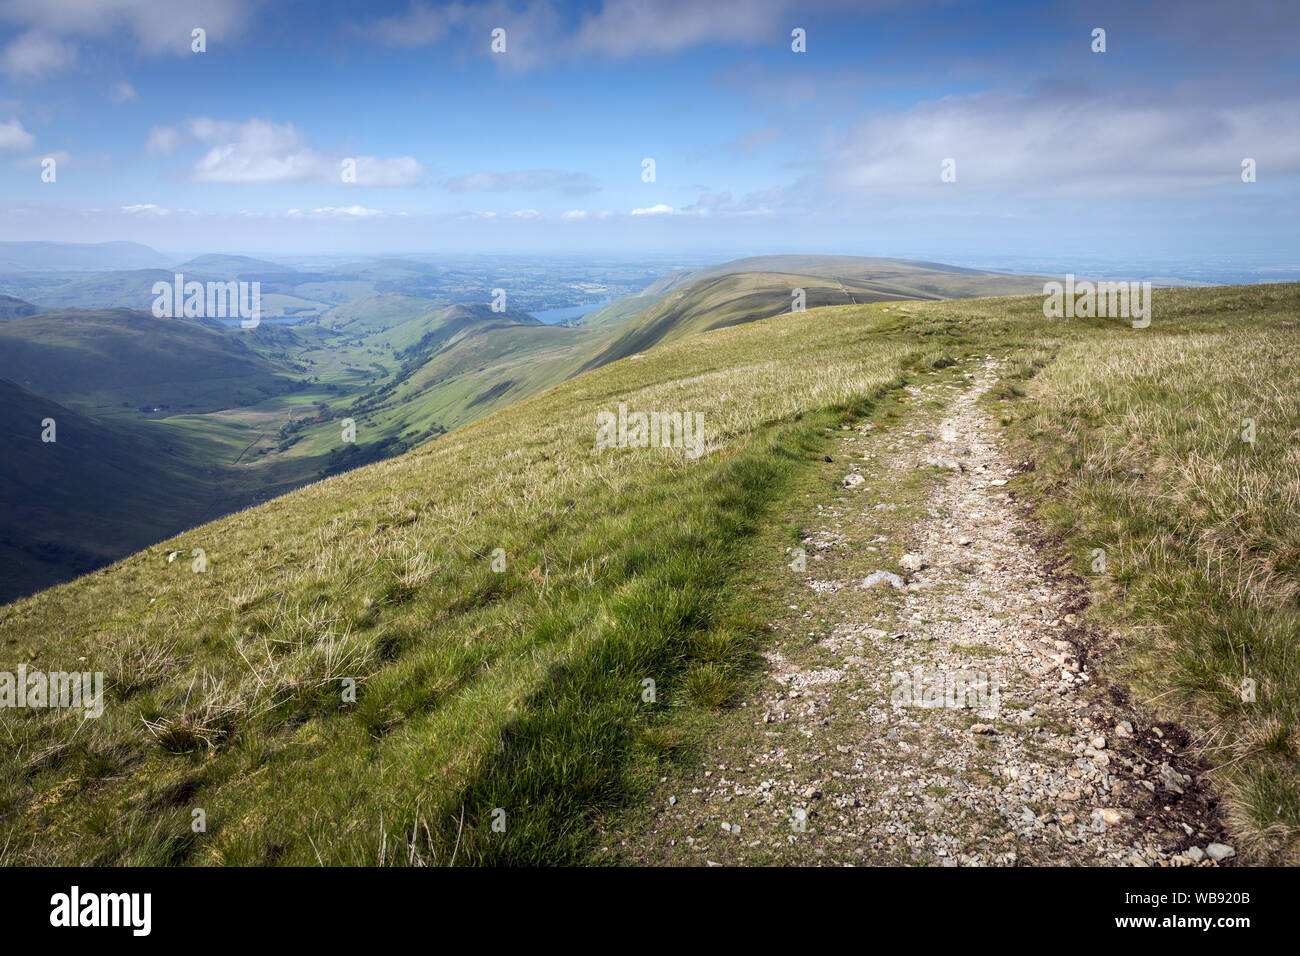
column 1138, row 440
column 522, row 691
column 474, row 690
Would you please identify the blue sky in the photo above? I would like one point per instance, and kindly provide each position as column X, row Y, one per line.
column 1058, row 151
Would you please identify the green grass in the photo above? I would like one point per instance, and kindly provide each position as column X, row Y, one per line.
column 1137, row 439
column 477, row 690
column 522, row 691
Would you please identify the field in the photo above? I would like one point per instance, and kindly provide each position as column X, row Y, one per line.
column 503, row 717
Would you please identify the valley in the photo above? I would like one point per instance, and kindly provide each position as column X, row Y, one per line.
column 314, row 392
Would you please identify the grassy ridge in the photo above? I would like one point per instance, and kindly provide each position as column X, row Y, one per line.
column 522, row 690
column 477, row 690
column 1140, row 452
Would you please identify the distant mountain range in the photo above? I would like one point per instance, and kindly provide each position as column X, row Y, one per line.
column 77, row 256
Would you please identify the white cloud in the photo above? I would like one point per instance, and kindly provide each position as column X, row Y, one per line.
column 347, row 212
column 659, row 209
column 121, row 92
column 630, row 27
column 421, row 25
column 573, row 184
column 14, row 137
column 574, row 214
column 35, row 54
column 146, row 209
column 157, row 27
column 533, row 28
column 1067, row 142
column 163, row 140
column 258, row 151
column 537, row 30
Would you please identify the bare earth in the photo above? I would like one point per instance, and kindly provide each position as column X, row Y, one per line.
column 824, row 768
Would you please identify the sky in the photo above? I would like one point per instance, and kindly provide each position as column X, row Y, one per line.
column 540, row 145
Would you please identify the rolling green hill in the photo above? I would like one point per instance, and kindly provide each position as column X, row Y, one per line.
column 231, row 267
column 270, row 404
column 689, row 302
column 452, row 364
column 518, row 690
column 12, row 308
column 283, row 293
column 126, row 289
column 112, row 358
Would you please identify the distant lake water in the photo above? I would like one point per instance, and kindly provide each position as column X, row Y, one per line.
column 552, row 316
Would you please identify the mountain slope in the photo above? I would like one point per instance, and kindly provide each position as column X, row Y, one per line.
column 12, row 308
column 383, row 574
column 458, row 363
column 897, row 278
column 78, row 502
column 686, row 303
column 113, row 356
column 524, row 688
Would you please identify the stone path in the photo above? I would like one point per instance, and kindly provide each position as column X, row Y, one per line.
column 930, row 700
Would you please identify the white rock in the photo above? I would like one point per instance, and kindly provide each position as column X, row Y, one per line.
column 853, row 480
column 1219, row 851
column 882, row 577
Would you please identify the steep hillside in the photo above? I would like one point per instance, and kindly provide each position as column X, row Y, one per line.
column 457, row 363
column 80, row 501
column 116, row 357
column 12, row 308
column 613, row 558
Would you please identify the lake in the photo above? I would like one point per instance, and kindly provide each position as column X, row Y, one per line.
column 552, row 316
